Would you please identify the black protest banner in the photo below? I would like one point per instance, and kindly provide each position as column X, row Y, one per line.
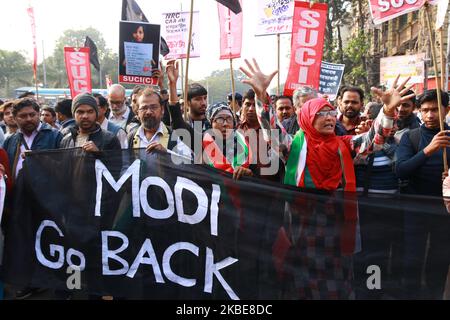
column 330, row 79
column 145, row 226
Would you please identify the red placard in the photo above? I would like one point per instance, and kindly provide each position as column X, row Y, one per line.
column 384, row 10
column 138, row 80
column 230, row 32
column 308, row 31
column 78, row 70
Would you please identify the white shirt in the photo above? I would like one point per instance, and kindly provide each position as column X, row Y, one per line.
column 181, row 148
column 121, row 121
column 144, row 142
column 121, row 134
column 29, row 141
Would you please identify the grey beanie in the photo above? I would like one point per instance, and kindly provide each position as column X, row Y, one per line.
column 84, row 98
column 214, row 109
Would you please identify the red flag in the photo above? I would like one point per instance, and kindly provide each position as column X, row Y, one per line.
column 308, row 31
column 230, row 33
column 386, row 10
column 30, row 11
column 78, row 70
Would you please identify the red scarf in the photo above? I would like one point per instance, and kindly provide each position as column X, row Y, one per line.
column 323, row 160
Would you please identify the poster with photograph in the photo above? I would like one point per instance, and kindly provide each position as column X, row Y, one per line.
column 138, row 52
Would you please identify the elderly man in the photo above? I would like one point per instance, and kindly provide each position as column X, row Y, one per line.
column 121, row 114
column 301, row 95
column 107, row 125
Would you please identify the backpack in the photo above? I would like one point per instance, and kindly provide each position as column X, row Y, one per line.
column 414, row 137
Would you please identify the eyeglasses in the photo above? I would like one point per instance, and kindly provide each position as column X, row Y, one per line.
column 152, row 108
column 332, row 113
column 221, row 120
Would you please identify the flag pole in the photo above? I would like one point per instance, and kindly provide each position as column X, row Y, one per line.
column 186, row 82
column 43, row 65
column 443, row 59
column 438, row 83
column 278, row 63
column 233, row 88
column 182, row 68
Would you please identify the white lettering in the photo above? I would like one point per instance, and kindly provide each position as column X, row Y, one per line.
column 153, row 213
column 185, row 282
column 112, row 254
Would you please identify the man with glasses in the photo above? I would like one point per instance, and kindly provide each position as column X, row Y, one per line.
column 121, row 114
column 153, row 134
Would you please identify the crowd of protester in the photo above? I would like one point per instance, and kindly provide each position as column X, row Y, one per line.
column 392, row 145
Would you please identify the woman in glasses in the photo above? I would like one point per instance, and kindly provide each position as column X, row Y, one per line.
column 226, row 148
column 223, row 147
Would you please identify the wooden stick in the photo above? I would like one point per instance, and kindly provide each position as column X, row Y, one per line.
column 37, row 88
column 278, row 44
column 186, row 82
column 443, row 59
column 233, row 89
column 438, row 83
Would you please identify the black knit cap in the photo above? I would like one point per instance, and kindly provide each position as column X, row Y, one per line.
column 84, row 98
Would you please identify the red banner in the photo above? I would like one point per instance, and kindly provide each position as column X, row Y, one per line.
column 230, row 32
column 384, row 10
column 308, row 31
column 78, row 70
column 30, row 11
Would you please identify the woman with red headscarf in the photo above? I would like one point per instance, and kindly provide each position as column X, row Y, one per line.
column 323, row 239
column 315, row 157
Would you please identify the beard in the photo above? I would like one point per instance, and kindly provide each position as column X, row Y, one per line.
column 351, row 113
column 151, row 123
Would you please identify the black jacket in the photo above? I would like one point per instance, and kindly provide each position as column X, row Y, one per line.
column 104, row 140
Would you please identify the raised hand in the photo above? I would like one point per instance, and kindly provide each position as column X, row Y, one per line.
column 393, row 97
column 257, row 80
column 172, row 71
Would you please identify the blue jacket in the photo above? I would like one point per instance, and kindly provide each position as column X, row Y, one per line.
column 113, row 128
column 47, row 138
column 424, row 173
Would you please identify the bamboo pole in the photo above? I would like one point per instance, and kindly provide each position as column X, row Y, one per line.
column 186, row 82
column 443, row 59
column 233, row 88
column 438, row 83
column 278, row 64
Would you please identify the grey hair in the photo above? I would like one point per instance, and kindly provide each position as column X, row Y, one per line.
column 117, row 87
column 304, row 91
